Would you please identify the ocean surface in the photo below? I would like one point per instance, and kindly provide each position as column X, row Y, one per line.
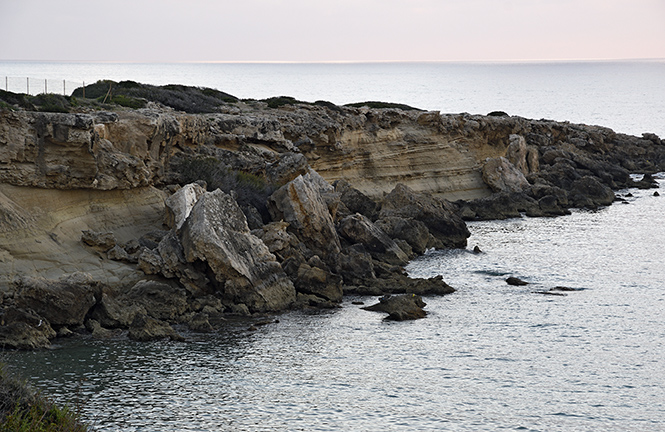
column 488, row 357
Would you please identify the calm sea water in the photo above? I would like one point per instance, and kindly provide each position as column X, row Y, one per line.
column 626, row 96
column 489, row 357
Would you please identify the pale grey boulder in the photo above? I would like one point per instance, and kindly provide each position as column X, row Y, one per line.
column 216, row 233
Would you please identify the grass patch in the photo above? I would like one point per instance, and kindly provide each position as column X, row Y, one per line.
column 21, row 410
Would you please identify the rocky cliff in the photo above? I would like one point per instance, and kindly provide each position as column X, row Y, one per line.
column 253, row 209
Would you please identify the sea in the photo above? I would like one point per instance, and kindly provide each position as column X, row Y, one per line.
column 488, row 357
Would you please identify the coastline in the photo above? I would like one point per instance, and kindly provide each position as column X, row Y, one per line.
column 320, row 200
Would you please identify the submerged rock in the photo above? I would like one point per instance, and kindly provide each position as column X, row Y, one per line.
column 516, row 281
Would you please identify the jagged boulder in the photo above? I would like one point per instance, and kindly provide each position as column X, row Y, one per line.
column 414, row 232
column 401, row 307
column 180, row 204
column 523, row 157
column 63, row 302
column 216, row 233
column 113, row 312
column 319, row 281
column 24, row 329
column 359, row 229
column 438, row 215
column 589, row 192
column 502, row 176
column 145, row 328
column 301, row 205
column 159, row 300
column 356, row 201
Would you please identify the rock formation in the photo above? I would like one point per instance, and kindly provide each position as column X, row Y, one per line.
column 140, row 219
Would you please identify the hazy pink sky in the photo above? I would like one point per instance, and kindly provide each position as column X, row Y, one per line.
column 333, row 30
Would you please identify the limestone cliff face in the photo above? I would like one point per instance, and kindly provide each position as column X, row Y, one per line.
column 338, row 199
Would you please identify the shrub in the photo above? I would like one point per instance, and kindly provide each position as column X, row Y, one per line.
column 182, row 98
column 23, row 411
column 375, row 104
column 498, row 114
column 250, row 189
column 280, row 101
column 50, row 103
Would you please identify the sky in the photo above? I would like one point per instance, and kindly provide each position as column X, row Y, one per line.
column 332, row 30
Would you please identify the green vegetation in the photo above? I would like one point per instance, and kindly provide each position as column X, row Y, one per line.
column 23, row 411
column 375, row 104
column 43, row 102
column 249, row 188
column 498, row 114
column 135, row 95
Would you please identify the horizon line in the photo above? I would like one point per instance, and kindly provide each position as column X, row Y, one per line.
column 567, row 60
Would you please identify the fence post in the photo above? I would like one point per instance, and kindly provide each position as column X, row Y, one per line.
column 83, row 89
column 6, row 84
column 45, row 86
column 64, row 90
column 28, row 85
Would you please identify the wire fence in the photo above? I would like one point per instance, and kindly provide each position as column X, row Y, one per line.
column 35, row 86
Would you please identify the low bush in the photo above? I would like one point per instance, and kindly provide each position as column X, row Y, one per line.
column 250, row 189
column 179, row 97
column 376, row 104
column 21, row 410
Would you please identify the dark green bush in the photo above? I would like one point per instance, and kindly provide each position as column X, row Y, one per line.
column 179, row 97
column 280, row 101
column 376, row 104
column 498, row 114
column 250, row 189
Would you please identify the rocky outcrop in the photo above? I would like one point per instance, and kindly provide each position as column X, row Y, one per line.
column 216, row 232
column 114, row 219
column 301, row 204
column 400, row 308
column 438, row 215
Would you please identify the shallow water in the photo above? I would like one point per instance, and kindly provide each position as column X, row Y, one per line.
column 488, row 357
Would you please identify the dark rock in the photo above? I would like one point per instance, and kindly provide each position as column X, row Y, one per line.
column 414, row 232
column 477, row 250
column 356, row 265
column 319, row 282
column 24, row 330
column 401, row 307
column 356, row 201
column 656, row 194
column 548, row 293
column 145, row 328
column 439, row 216
column 562, row 288
column 102, row 241
column 63, row 302
column 591, row 193
column 200, row 323
column 160, row 300
column 358, row 229
column 516, row 281
column 647, row 182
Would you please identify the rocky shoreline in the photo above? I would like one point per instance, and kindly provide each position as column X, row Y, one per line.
column 133, row 220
